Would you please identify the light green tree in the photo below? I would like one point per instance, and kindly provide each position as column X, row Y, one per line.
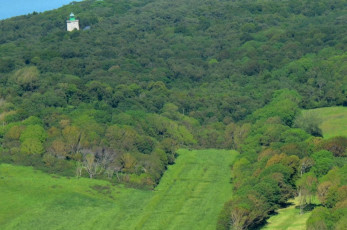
column 31, row 146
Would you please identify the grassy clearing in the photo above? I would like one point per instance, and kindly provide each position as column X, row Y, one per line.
column 34, row 200
column 334, row 121
column 288, row 218
column 190, row 196
column 191, row 193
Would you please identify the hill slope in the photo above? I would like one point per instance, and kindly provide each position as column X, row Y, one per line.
column 189, row 196
column 334, row 120
column 150, row 76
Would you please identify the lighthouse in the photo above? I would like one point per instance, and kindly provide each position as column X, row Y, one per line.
column 72, row 23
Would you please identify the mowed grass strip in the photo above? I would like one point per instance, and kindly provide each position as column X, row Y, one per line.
column 192, row 192
column 189, row 196
column 289, row 218
column 334, row 120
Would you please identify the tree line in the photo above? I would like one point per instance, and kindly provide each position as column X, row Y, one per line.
column 282, row 157
column 116, row 101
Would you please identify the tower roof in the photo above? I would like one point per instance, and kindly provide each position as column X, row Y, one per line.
column 72, row 17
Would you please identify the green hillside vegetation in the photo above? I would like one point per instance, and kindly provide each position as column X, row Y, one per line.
column 278, row 162
column 116, row 101
column 151, row 76
column 333, row 120
column 190, row 195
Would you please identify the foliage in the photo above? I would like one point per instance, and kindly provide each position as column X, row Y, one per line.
column 309, row 122
column 278, row 161
column 324, row 161
column 336, row 145
column 332, row 193
column 116, row 101
column 31, row 146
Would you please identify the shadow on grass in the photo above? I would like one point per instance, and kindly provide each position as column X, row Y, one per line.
column 308, row 207
column 263, row 223
column 286, row 205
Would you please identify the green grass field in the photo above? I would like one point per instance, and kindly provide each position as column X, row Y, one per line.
column 190, row 196
column 334, row 121
column 288, row 218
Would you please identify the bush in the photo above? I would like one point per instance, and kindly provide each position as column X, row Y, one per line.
column 309, row 122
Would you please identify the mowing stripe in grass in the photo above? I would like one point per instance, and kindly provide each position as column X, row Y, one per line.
column 190, row 196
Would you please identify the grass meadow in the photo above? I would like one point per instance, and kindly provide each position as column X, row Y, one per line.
column 289, row 218
column 334, row 120
column 190, row 196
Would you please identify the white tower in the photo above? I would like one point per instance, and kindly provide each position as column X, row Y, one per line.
column 72, row 23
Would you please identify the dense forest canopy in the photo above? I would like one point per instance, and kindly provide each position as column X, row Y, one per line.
column 144, row 77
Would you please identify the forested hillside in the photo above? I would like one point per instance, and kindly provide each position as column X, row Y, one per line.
column 142, row 78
